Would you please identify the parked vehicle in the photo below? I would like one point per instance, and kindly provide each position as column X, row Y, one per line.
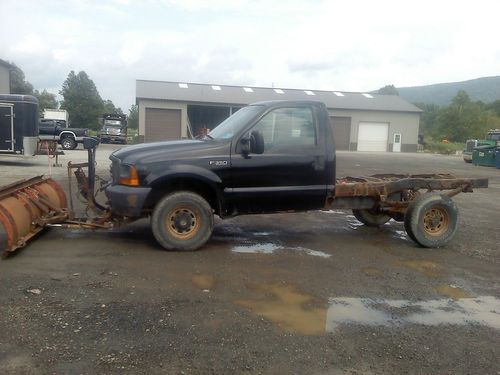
column 114, row 128
column 268, row 157
column 56, row 114
column 18, row 124
column 492, row 139
column 68, row 138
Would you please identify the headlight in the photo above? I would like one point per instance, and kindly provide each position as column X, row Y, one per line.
column 128, row 175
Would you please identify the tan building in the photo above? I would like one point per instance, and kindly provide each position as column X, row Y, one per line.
column 361, row 122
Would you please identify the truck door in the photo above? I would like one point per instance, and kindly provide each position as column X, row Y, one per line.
column 291, row 172
column 6, row 128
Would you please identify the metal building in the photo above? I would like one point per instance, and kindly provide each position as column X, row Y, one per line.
column 361, row 122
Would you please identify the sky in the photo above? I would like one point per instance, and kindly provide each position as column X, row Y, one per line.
column 324, row 45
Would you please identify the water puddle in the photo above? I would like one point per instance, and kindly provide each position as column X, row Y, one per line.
column 296, row 312
column 292, row 310
column 203, row 281
column 334, row 212
column 270, row 248
column 452, row 291
column 483, row 310
column 401, row 234
column 428, row 268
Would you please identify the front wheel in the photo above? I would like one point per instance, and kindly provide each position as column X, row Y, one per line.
column 182, row 221
column 68, row 143
column 431, row 220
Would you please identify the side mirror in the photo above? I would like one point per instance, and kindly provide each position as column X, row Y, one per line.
column 245, row 145
column 256, row 142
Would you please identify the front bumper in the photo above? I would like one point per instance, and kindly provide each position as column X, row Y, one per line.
column 127, row 200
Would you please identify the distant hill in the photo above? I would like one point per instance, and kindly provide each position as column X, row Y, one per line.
column 486, row 89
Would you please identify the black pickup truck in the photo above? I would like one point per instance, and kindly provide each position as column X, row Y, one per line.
column 269, row 157
column 68, row 138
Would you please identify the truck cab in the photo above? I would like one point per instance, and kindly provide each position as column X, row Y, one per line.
column 114, row 129
column 267, row 157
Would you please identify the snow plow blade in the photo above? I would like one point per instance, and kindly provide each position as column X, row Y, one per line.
column 26, row 207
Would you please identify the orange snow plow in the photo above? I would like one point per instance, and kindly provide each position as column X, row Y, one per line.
column 26, row 207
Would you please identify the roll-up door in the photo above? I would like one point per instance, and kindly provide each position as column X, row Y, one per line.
column 162, row 124
column 341, row 127
column 372, row 136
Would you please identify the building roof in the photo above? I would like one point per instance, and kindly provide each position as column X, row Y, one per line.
column 243, row 95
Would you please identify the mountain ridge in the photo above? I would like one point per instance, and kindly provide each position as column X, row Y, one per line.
column 485, row 89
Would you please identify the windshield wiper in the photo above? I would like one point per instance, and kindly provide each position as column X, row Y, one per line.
column 208, row 136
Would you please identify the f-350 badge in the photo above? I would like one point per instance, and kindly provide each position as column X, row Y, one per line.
column 217, row 163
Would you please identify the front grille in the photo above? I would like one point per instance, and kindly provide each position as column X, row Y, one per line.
column 470, row 144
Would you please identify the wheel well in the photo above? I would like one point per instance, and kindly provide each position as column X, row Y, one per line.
column 67, row 135
column 194, row 185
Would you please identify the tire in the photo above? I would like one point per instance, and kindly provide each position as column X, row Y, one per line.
column 371, row 218
column 68, row 143
column 431, row 220
column 182, row 221
column 398, row 216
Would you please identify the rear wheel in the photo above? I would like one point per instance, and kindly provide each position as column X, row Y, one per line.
column 182, row 221
column 68, row 143
column 431, row 220
column 371, row 218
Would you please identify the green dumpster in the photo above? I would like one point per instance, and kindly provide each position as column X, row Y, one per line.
column 484, row 155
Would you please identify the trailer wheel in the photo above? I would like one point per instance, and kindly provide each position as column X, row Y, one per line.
column 431, row 220
column 68, row 143
column 182, row 221
column 371, row 218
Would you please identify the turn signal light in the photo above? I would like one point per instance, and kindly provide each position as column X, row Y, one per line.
column 131, row 178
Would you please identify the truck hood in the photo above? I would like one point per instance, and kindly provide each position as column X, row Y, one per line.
column 147, row 153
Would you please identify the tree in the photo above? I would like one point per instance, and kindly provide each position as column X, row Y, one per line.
column 462, row 119
column 388, row 90
column 428, row 118
column 109, row 107
column 133, row 117
column 82, row 100
column 18, row 83
column 45, row 100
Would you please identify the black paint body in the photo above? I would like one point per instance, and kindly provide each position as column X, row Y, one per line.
column 232, row 181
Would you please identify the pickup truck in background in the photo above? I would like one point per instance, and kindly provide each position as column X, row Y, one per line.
column 68, row 138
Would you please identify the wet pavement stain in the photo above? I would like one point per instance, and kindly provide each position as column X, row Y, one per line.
column 452, row 291
column 204, row 281
column 292, row 310
column 371, row 271
column 428, row 268
column 271, row 248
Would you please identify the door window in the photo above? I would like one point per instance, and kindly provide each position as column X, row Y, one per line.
column 285, row 129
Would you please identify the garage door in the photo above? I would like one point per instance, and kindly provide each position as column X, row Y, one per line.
column 372, row 136
column 341, row 131
column 162, row 124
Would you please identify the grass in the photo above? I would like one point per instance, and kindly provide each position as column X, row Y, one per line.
column 444, row 148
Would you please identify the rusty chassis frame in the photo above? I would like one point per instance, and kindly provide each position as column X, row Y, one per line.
column 392, row 193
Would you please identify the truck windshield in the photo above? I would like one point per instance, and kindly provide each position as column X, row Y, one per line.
column 230, row 126
column 112, row 122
